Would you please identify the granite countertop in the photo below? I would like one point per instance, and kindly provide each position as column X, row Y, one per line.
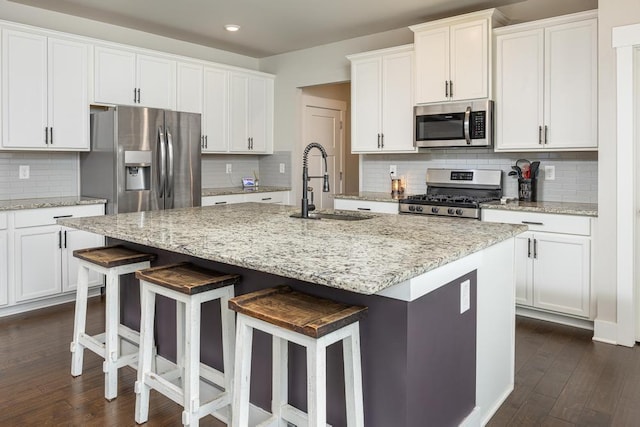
column 48, row 202
column 359, row 256
column 206, row 192
column 369, row 196
column 566, row 208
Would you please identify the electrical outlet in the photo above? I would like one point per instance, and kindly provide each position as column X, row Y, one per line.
column 393, row 170
column 549, row 173
column 228, row 168
column 281, row 167
column 465, row 296
column 24, row 172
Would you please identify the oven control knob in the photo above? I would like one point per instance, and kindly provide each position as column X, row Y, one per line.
column 459, row 211
column 434, row 210
column 412, row 208
column 451, row 211
column 418, row 208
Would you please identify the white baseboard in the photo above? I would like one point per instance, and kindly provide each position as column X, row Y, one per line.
column 605, row 332
column 553, row 317
column 24, row 307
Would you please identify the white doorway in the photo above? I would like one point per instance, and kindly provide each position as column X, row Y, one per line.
column 326, row 127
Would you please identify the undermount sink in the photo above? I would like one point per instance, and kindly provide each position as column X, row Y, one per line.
column 338, row 216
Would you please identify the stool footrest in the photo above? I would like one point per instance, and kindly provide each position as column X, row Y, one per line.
column 93, row 343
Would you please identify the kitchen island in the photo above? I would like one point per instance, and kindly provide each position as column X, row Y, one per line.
column 438, row 343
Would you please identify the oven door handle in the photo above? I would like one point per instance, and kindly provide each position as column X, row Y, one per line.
column 465, row 125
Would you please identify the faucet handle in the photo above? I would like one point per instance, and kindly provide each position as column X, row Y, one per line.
column 311, row 207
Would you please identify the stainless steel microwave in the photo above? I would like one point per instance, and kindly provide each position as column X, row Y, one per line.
column 454, row 124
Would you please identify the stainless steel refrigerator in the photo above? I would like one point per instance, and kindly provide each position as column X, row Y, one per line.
column 143, row 159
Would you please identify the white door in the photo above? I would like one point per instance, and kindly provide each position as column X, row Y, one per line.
column 24, row 90
column 3, row 268
column 571, row 61
column 432, row 65
column 72, row 240
column 257, row 113
column 366, row 105
column 156, row 77
column 189, row 87
column 469, row 56
column 561, row 276
column 323, row 125
column 215, row 116
column 238, row 111
column 114, row 76
column 524, row 269
column 68, row 100
column 519, row 107
column 397, row 102
column 37, row 262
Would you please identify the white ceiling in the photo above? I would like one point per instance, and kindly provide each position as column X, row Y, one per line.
column 270, row 27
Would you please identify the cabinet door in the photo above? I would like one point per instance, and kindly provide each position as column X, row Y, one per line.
column 397, row 102
column 3, row 268
column 189, row 87
column 519, row 90
column 114, row 76
column 469, row 56
column 71, row 240
column 68, row 101
column 561, row 278
column 524, row 269
column 215, row 118
column 366, row 105
column 156, row 77
column 432, row 65
column 37, row 262
column 24, row 90
column 238, row 112
column 571, row 85
column 258, row 113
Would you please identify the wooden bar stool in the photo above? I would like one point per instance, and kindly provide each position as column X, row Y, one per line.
column 312, row 322
column 190, row 286
column 112, row 261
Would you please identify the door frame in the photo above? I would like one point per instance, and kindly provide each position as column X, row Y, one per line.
column 307, row 100
column 626, row 41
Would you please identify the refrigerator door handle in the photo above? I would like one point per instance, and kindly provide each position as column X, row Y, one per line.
column 162, row 177
column 170, row 164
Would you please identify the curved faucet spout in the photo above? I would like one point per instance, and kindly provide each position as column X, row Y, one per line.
column 306, row 207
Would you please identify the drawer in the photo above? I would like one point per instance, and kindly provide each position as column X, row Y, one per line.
column 268, row 197
column 3, row 221
column 222, row 200
column 48, row 216
column 550, row 223
column 366, row 206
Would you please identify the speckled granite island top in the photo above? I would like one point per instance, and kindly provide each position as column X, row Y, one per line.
column 369, row 196
column 566, row 208
column 49, row 202
column 225, row 191
column 359, row 256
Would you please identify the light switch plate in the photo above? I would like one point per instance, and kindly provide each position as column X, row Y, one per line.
column 228, row 168
column 24, row 172
column 549, row 173
column 465, row 296
column 281, row 167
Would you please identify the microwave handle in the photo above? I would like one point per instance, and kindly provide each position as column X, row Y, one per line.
column 465, row 125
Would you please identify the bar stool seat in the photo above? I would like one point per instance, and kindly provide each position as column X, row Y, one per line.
column 190, row 286
column 309, row 321
column 111, row 261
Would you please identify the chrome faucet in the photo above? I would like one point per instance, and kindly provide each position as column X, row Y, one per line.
column 306, row 206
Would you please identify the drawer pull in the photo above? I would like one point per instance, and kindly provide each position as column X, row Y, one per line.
column 221, row 203
column 266, row 198
column 364, row 209
column 62, row 216
column 532, row 223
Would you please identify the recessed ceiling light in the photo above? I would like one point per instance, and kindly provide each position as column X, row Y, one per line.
column 232, row 27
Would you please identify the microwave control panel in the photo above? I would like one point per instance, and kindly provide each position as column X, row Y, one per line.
column 478, row 124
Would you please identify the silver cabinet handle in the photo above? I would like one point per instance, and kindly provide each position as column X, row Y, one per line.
column 450, row 88
column 546, row 134
column 59, row 239
column 202, row 141
column 65, row 239
column 266, row 198
column 465, row 125
column 134, row 95
column 532, row 223
column 529, row 247
column 378, row 140
column 220, row 203
column 364, row 209
column 539, row 134
column 46, row 135
column 51, row 135
column 206, row 141
column 382, row 139
column 446, row 89
column 535, row 248
column 138, row 95
column 62, row 216
column 248, row 143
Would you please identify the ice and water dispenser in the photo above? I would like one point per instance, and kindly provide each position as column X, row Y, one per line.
column 137, row 166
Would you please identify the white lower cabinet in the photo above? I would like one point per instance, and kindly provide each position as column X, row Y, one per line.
column 365, row 206
column 4, row 298
column 553, row 268
column 275, row 197
column 43, row 262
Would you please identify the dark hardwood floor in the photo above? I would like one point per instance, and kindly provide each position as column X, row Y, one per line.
column 562, row 378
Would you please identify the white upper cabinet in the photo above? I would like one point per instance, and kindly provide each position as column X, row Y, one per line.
column 382, row 101
column 125, row 77
column 251, row 113
column 215, row 117
column 44, row 92
column 453, row 57
column 189, row 87
column 546, row 85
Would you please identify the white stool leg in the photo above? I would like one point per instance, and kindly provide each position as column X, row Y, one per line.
column 112, row 321
column 280, row 390
column 180, row 343
column 191, row 379
column 242, row 376
column 228, row 319
column 79, row 324
column 145, row 353
column 353, row 377
column 316, row 384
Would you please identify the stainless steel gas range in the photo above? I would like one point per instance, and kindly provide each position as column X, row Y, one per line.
column 455, row 192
